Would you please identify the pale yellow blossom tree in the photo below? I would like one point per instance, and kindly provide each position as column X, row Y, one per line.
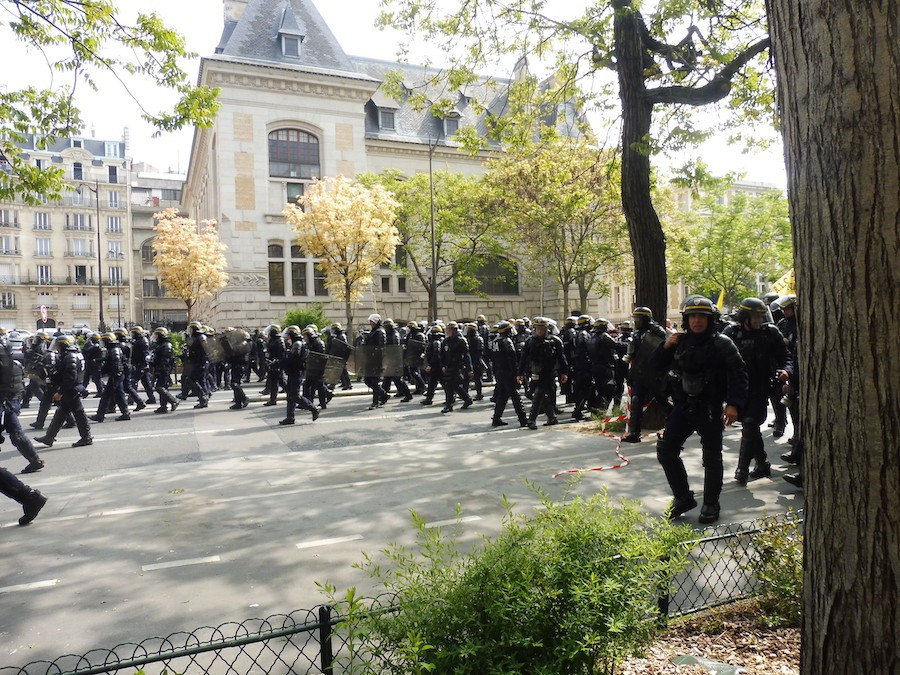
column 190, row 259
column 350, row 228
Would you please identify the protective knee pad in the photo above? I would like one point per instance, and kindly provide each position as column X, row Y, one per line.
column 666, row 452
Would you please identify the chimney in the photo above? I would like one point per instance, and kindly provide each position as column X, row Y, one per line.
column 234, row 9
column 126, row 138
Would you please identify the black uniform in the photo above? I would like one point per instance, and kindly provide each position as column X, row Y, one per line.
column 238, row 349
column 11, row 387
column 196, row 363
column 764, row 353
column 456, row 363
column 294, row 364
column 580, row 370
column 162, row 360
column 602, row 351
column 706, row 370
column 476, row 353
column 504, row 362
column 66, row 378
column 433, row 365
column 275, row 353
column 140, row 370
column 541, row 362
column 114, row 389
column 375, row 339
column 641, row 394
column 392, row 337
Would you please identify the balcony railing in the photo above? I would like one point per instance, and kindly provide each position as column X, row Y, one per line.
column 8, row 223
column 62, row 281
column 10, row 251
column 77, row 228
column 79, row 254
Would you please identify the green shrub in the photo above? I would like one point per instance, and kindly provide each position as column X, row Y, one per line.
column 303, row 316
column 572, row 589
column 775, row 558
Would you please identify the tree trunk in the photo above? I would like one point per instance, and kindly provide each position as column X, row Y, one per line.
column 648, row 244
column 348, row 307
column 839, row 94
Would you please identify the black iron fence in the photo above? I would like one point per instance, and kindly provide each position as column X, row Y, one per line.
column 306, row 642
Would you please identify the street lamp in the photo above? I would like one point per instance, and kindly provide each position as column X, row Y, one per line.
column 117, row 255
column 96, row 191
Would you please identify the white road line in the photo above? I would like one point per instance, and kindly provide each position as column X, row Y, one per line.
column 180, row 563
column 452, row 521
column 328, row 542
column 30, row 587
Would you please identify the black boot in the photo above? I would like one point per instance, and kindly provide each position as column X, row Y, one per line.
column 745, row 454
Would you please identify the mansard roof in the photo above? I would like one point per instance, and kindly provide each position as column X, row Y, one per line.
column 255, row 36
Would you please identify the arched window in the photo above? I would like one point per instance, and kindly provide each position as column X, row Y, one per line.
column 147, row 251
column 276, row 269
column 495, row 276
column 293, row 154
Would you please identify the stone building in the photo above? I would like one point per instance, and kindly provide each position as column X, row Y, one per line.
column 70, row 257
column 295, row 107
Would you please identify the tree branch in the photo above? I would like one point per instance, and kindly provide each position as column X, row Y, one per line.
column 717, row 89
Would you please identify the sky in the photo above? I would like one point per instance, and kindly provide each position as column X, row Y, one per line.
column 109, row 111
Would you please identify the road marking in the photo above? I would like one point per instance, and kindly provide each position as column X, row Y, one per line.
column 180, row 563
column 452, row 521
column 328, row 542
column 30, row 587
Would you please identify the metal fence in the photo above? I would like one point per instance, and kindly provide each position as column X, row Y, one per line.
column 306, row 642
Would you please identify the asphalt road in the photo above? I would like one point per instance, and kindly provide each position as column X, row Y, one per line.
column 200, row 517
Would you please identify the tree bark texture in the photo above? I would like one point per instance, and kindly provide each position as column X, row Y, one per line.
column 645, row 231
column 839, row 94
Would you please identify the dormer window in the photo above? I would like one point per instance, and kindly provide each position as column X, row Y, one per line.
column 290, row 46
column 386, row 119
column 451, row 125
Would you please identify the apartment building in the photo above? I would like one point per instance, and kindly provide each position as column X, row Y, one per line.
column 68, row 260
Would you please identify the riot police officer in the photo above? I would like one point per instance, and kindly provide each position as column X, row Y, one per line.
column 162, row 361
column 504, row 361
column 114, row 389
column 433, row 362
column 374, row 341
column 122, row 337
column 275, row 353
column 140, row 370
column 580, row 369
column 484, row 330
column 476, row 354
column 602, row 352
column 238, row 346
column 314, row 382
column 294, row 365
column 414, row 354
column 541, row 362
column 767, row 359
column 642, row 392
column 392, row 337
column 66, row 379
column 456, row 363
column 11, row 387
column 92, row 351
column 338, row 334
column 706, row 370
column 32, row 500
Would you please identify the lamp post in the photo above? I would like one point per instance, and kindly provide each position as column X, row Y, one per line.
column 118, row 255
column 96, row 191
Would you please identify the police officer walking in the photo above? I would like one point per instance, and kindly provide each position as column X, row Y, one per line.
column 11, row 387
column 113, row 391
column 66, row 379
column 645, row 330
column 542, row 361
column 433, row 362
column 456, row 364
column 162, row 360
column 294, row 366
column 767, row 359
column 504, row 362
column 707, row 369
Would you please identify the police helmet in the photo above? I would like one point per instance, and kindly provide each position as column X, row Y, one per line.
column 437, row 329
column 374, row 318
column 750, row 308
column 520, row 322
column 584, row 320
column 273, row 329
column 481, row 317
column 65, row 341
column 699, row 306
column 196, row 326
column 626, row 325
column 601, row 324
column 642, row 317
column 540, row 322
column 503, row 327
column 336, row 326
column 570, row 320
column 162, row 333
column 309, row 331
column 453, row 325
column 786, row 301
column 412, row 325
column 43, row 335
column 121, row 333
column 387, row 322
column 138, row 330
column 293, row 332
column 769, row 298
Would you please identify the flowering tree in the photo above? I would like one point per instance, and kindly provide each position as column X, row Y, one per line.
column 190, row 259
column 350, row 227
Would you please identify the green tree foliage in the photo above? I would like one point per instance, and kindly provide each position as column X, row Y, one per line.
column 717, row 245
column 569, row 590
column 675, row 56
column 303, row 316
column 560, row 199
column 78, row 39
column 466, row 232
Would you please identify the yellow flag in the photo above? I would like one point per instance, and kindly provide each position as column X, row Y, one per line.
column 721, row 302
column 785, row 285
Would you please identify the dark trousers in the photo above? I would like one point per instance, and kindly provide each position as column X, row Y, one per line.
column 237, row 374
column 273, row 382
column 142, row 376
column 752, row 417
column 543, row 398
column 582, row 386
column 434, row 379
column 379, row 395
column 113, row 393
column 689, row 416
column 161, row 387
column 505, row 390
column 294, row 398
column 69, row 404
column 12, row 487
column 13, row 428
column 455, row 385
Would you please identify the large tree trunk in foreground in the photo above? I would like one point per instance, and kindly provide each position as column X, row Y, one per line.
column 839, row 93
column 645, row 231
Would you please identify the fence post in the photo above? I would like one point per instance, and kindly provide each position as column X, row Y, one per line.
column 325, row 631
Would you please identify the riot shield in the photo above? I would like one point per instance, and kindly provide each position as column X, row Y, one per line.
column 414, row 356
column 339, row 349
column 237, row 342
column 334, row 369
column 386, row 361
column 641, row 374
column 315, row 365
column 214, row 350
